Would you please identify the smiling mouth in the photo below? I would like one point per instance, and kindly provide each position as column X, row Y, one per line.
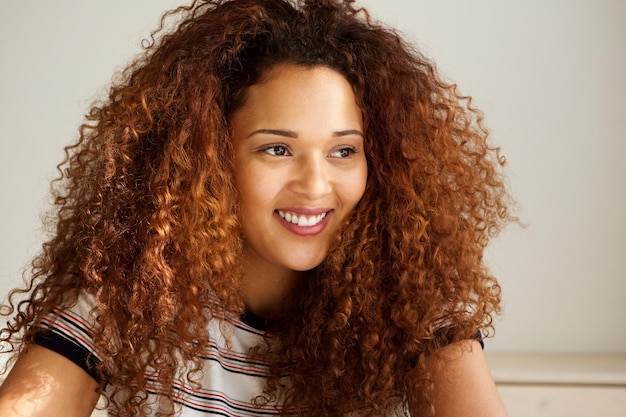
column 302, row 219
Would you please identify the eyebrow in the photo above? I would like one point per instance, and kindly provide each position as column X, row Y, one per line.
column 292, row 134
column 348, row 133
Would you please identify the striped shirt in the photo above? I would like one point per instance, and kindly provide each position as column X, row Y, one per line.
column 231, row 377
column 229, row 382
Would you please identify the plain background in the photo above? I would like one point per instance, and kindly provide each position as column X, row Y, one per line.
column 548, row 74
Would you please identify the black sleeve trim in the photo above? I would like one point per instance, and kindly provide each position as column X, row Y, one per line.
column 479, row 336
column 446, row 336
column 64, row 347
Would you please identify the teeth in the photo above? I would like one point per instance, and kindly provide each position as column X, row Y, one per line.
column 301, row 220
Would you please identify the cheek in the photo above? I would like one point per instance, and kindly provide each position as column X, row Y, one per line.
column 353, row 187
column 250, row 194
column 256, row 191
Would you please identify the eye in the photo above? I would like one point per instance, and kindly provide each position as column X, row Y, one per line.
column 344, row 152
column 276, row 150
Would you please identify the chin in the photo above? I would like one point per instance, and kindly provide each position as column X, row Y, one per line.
column 307, row 265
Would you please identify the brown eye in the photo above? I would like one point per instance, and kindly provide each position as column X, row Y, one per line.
column 277, row 150
column 343, row 152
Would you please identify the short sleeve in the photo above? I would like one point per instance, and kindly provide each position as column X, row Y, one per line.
column 68, row 332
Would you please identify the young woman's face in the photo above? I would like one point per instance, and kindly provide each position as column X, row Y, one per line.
column 300, row 166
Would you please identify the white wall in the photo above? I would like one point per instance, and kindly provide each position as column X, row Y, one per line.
column 548, row 74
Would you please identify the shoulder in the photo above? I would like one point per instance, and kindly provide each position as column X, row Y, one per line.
column 463, row 383
column 44, row 383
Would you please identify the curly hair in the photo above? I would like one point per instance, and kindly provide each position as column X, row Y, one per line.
column 146, row 214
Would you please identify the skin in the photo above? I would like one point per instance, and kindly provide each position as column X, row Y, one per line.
column 298, row 144
column 45, row 384
column 463, row 383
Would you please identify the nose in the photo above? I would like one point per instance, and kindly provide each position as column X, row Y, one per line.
column 312, row 177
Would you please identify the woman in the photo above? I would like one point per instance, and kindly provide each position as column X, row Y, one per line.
column 280, row 209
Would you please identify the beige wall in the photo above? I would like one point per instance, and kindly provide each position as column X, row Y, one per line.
column 548, row 74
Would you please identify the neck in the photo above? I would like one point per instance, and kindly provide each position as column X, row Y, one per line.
column 266, row 290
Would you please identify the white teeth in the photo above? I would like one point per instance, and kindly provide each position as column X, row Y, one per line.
column 302, row 220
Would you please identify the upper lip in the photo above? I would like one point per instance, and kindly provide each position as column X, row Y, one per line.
column 307, row 211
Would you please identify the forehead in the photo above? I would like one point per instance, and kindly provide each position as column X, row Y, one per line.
column 301, row 96
column 305, row 82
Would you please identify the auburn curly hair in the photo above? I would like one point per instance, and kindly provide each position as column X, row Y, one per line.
column 146, row 214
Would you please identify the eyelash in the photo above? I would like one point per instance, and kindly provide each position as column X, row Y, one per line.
column 350, row 151
column 271, row 149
